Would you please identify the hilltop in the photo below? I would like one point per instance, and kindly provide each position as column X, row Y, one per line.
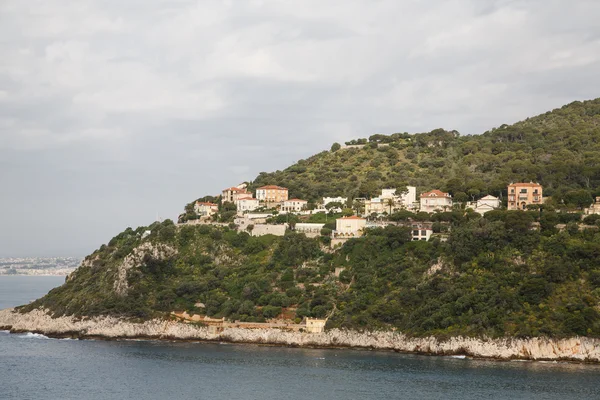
column 559, row 149
column 506, row 274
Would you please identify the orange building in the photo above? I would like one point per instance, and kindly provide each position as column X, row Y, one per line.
column 520, row 195
column 233, row 193
column 272, row 194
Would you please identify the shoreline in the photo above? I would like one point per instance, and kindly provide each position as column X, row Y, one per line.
column 576, row 350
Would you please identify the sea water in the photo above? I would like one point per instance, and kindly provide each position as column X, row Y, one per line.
column 35, row 367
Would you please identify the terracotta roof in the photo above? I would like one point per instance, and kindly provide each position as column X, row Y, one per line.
column 435, row 193
column 247, row 198
column 351, row 217
column 234, row 189
column 202, row 203
column 305, row 201
column 272, row 187
column 530, row 184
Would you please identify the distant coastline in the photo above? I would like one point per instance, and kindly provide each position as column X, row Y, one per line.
column 38, row 266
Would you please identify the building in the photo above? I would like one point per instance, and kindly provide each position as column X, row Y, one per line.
column 421, row 231
column 272, row 194
column 309, row 229
column 594, row 208
column 349, row 226
column 520, row 195
column 246, row 204
column 485, row 204
column 315, row 325
column 294, row 205
column 327, row 200
column 232, row 193
column 389, row 202
column 205, row 209
column 435, row 200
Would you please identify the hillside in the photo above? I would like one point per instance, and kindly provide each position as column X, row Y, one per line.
column 510, row 273
column 559, row 149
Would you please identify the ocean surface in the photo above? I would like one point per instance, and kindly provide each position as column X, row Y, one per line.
column 35, row 367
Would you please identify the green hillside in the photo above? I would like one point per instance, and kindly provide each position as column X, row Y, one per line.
column 509, row 273
column 559, row 149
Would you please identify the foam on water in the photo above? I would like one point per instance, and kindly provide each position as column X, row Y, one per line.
column 30, row 335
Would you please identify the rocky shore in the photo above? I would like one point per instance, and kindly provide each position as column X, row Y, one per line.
column 579, row 349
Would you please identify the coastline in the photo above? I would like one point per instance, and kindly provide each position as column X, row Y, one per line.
column 577, row 349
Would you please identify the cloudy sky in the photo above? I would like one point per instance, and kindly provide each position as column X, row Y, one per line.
column 113, row 112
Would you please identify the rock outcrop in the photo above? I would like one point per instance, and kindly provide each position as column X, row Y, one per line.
column 136, row 258
column 580, row 349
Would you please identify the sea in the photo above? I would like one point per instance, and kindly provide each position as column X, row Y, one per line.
column 36, row 367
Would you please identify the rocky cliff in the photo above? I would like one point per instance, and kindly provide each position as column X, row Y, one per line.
column 578, row 349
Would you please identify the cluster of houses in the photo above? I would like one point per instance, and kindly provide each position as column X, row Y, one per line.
column 253, row 209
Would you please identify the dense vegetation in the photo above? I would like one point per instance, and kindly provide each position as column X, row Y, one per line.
column 494, row 276
column 559, row 149
column 515, row 273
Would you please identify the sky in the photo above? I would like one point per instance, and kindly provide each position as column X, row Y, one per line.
column 115, row 112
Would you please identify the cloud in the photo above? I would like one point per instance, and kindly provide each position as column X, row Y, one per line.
column 112, row 111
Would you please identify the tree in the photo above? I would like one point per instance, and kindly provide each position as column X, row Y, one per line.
column 579, row 198
column 335, row 147
column 391, row 203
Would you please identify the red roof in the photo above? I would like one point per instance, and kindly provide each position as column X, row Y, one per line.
column 273, row 187
column 530, row 184
column 304, row 201
column 234, row 189
column 201, row 203
column 435, row 193
column 351, row 217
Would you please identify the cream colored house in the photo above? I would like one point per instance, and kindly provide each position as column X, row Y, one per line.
column 205, row 209
column 349, row 226
column 435, row 200
column 294, row 205
column 389, row 202
column 520, row 195
column 594, row 208
column 231, row 194
column 246, row 204
column 272, row 194
column 315, row 325
column 485, row 204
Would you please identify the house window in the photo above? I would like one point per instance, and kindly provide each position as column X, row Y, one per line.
column 416, row 233
column 523, row 190
column 423, row 233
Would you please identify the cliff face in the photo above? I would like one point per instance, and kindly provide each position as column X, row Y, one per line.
column 572, row 349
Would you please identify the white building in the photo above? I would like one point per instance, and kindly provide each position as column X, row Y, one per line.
column 485, row 204
column 421, row 231
column 349, row 226
column 389, row 202
column 435, row 201
column 294, row 205
column 327, row 200
column 246, row 204
column 205, row 209
column 309, row 229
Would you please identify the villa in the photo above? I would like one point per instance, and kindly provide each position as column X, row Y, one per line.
column 520, row 195
column 435, row 200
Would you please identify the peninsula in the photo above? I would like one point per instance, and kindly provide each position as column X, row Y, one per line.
column 436, row 243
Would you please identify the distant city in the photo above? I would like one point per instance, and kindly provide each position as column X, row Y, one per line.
column 39, row 266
